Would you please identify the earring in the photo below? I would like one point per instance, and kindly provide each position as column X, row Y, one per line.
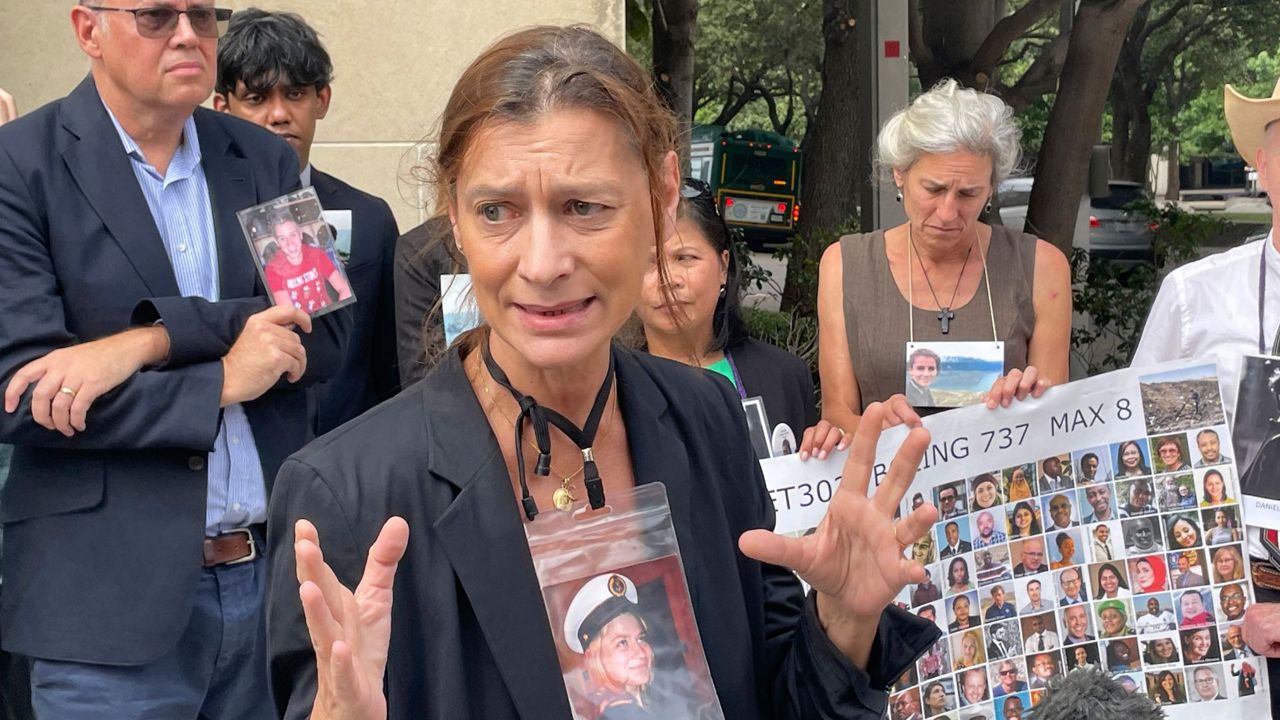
column 722, row 290
column 988, row 206
column 898, row 197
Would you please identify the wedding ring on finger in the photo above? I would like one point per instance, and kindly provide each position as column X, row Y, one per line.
column 901, row 545
column 68, row 392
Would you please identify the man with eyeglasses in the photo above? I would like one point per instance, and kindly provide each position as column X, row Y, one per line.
column 151, row 392
column 1006, row 677
column 273, row 71
column 1060, row 511
column 1043, row 667
column 947, row 505
column 1206, row 683
column 1032, row 560
column 1073, row 592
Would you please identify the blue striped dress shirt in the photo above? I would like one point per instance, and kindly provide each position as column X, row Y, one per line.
column 179, row 203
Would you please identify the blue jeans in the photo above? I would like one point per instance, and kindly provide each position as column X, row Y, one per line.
column 217, row 670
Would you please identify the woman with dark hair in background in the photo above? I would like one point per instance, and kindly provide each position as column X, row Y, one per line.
column 1215, row 489
column 1183, row 531
column 958, row 575
column 1130, row 461
column 1166, row 690
column 1024, row 521
column 697, row 318
column 986, row 492
column 935, row 699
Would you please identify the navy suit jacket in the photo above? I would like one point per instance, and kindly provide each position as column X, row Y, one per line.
column 103, row 531
column 369, row 372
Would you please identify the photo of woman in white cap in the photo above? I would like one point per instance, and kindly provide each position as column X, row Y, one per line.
column 604, row 624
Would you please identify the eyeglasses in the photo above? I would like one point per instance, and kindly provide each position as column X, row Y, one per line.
column 697, row 191
column 693, row 187
column 160, row 23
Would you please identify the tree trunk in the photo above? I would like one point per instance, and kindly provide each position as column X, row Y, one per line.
column 1137, row 157
column 674, row 23
column 1173, row 184
column 954, row 31
column 1127, row 98
column 833, row 165
column 1076, row 119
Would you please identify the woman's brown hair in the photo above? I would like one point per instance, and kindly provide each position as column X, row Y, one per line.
column 532, row 72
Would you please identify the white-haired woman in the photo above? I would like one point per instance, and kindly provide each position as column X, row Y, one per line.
column 944, row 275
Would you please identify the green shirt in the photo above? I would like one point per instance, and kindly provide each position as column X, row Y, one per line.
column 723, row 367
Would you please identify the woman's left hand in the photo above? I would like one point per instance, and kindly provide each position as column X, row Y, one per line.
column 1017, row 384
column 848, row 560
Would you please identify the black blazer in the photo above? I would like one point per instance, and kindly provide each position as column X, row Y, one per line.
column 782, row 379
column 422, row 255
column 369, row 373
column 103, row 530
column 470, row 637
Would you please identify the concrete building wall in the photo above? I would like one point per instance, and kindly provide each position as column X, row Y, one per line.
column 395, row 62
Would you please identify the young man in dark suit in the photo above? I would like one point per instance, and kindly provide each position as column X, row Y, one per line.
column 150, row 390
column 273, row 71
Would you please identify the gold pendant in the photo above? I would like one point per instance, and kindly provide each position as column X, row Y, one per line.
column 563, row 499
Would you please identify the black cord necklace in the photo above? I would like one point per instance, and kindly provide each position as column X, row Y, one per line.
column 539, row 416
column 945, row 315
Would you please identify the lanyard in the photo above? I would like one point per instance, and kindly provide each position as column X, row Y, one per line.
column 1262, row 302
column 539, row 416
column 737, row 376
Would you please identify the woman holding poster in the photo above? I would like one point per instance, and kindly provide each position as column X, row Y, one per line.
column 945, row 279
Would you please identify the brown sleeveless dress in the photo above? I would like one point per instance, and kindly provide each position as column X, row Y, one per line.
column 875, row 310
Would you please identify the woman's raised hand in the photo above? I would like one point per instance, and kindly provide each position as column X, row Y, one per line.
column 350, row 632
column 854, row 560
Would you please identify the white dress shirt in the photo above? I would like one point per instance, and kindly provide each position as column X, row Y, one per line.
column 1043, row 640
column 1209, row 309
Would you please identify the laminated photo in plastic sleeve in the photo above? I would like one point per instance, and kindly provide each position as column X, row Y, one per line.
column 620, row 611
column 293, row 248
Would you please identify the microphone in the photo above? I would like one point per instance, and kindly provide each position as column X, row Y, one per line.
column 1088, row 693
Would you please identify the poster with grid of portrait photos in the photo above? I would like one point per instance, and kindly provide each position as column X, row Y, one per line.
column 1098, row 525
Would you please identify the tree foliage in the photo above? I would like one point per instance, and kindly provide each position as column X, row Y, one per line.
column 759, row 64
column 1204, row 127
column 1169, row 77
column 1012, row 49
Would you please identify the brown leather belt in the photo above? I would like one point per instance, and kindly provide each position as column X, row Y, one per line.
column 230, row 548
column 1265, row 575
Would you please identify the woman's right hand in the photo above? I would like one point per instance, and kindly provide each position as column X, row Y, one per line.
column 350, row 632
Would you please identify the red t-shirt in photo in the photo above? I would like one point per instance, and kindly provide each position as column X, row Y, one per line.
column 305, row 282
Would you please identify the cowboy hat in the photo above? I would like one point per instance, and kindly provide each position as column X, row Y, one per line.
column 1248, row 119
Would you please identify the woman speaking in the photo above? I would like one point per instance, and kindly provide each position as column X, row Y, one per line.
column 558, row 165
